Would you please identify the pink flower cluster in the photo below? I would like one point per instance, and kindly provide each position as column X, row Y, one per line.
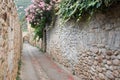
column 38, row 6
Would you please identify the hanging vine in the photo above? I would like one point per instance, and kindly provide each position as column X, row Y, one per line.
column 75, row 9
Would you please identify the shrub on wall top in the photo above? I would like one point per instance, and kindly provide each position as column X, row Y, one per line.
column 75, row 9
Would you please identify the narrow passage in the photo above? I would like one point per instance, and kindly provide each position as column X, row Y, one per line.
column 38, row 66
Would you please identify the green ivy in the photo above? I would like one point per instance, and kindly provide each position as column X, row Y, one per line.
column 76, row 9
column 39, row 28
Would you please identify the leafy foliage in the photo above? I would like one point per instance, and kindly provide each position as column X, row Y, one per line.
column 75, row 9
column 38, row 14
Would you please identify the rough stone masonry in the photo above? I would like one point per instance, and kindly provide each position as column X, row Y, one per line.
column 10, row 43
column 91, row 49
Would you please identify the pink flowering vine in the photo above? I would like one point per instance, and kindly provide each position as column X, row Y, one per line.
column 38, row 6
column 39, row 13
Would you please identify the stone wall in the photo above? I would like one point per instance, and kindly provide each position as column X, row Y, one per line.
column 10, row 43
column 91, row 49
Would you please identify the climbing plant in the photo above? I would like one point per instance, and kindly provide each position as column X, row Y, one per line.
column 38, row 14
column 75, row 9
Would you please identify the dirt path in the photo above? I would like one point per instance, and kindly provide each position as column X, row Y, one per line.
column 37, row 66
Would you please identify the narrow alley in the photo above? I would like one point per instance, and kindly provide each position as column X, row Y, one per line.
column 59, row 39
column 38, row 66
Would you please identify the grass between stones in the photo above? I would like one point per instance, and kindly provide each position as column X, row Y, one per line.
column 19, row 68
